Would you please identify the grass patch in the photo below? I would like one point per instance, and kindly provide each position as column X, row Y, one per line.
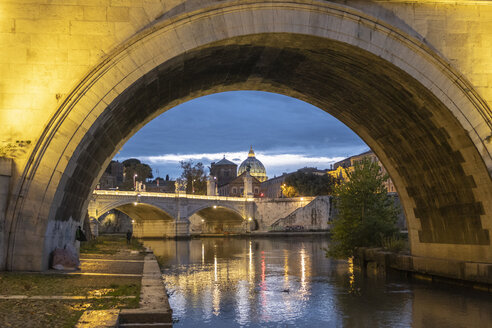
column 54, row 313
column 109, row 244
column 55, row 284
column 40, row 313
column 61, row 313
column 65, row 313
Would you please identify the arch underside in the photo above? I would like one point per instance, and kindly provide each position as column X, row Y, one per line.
column 220, row 215
column 142, row 212
column 420, row 143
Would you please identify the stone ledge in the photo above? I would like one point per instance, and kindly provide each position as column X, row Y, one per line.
column 476, row 275
column 154, row 304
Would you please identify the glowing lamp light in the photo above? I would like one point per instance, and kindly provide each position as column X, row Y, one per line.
column 250, row 219
column 203, row 220
column 215, row 206
column 135, row 203
column 302, row 198
column 133, row 221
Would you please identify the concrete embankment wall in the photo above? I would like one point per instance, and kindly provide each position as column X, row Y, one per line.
column 473, row 274
column 268, row 211
column 313, row 216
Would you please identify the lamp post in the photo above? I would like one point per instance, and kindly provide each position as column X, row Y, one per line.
column 134, row 184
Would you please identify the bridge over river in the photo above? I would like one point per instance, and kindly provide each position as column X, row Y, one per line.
column 170, row 215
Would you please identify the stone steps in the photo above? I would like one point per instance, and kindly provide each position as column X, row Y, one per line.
column 143, row 325
column 134, row 317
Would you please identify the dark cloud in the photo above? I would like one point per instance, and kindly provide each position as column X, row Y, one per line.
column 232, row 121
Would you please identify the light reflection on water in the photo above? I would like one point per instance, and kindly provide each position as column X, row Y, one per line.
column 233, row 282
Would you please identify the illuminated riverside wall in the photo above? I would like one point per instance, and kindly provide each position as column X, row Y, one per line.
column 412, row 78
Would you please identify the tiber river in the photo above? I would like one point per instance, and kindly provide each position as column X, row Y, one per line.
column 288, row 282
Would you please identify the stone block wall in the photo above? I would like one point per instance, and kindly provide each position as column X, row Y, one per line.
column 49, row 46
column 5, row 174
column 268, row 211
column 314, row 216
column 115, row 222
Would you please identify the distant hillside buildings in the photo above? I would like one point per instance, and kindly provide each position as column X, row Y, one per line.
column 229, row 181
column 341, row 168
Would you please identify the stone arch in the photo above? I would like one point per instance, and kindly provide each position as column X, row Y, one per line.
column 428, row 125
column 219, row 219
column 239, row 211
column 148, row 210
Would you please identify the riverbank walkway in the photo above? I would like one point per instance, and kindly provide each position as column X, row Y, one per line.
column 153, row 307
column 119, row 284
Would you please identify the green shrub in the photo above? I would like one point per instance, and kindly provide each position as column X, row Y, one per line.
column 394, row 243
column 365, row 211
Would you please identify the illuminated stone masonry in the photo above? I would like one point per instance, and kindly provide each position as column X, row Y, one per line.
column 79, row 77
column 169, row 215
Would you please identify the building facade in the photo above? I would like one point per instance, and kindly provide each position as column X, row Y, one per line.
column 236, row 187
column 342, row 168
column 112, row 177
column 224, row 171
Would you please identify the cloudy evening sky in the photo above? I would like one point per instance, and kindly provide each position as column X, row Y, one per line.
column 286, row 134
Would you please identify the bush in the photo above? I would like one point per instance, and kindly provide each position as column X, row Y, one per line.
column 365, row 211
column 394, row 243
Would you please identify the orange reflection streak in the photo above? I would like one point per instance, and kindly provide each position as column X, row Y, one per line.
column 286, row 268
column 203, row 254
column 216, row 300
column 305, row 273
column 303, row 267
column 351, row 274
column 215, row 268
column 251, row 273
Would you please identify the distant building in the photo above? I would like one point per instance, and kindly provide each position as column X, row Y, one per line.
column 342, row 168
column 235, row 188
column 230, row 182
column 112, row 177
column 272, row 188
column 224, row 171
column 160, row 185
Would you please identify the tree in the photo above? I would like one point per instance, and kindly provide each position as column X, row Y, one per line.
column 289, row 191
column 196, row 179
column 134, row 166
column 366, row 214
column 308, row 184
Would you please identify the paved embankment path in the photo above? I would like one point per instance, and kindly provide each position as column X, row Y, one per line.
column 154, row 306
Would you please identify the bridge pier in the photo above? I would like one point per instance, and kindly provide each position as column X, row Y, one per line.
column 5, row 174
column 161, row 229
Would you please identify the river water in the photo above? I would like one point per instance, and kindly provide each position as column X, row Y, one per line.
column 288, row 282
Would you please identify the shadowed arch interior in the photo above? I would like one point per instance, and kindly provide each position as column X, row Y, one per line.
column 220, row 215
column 407, row 126
column 142, row 211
